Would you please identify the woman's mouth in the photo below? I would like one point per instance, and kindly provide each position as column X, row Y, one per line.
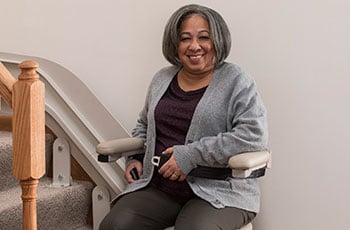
column 195, row 58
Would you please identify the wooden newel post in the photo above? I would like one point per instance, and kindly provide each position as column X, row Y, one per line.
column 28, row 107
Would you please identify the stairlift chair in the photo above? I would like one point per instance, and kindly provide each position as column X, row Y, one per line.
column 242, row 165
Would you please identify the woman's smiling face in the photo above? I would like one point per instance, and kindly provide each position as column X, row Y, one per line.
column 196, row 49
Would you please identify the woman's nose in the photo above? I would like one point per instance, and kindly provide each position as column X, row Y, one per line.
column 194, row 46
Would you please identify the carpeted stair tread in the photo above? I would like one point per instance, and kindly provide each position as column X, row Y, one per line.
column 54, row 204
column 7, row 180
column 57, row 208
column 5, row 153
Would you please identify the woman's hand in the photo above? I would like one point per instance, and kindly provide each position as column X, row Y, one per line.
column 135, row 164
column 170, row 169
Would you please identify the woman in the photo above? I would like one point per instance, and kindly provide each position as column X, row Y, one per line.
column 200, row 111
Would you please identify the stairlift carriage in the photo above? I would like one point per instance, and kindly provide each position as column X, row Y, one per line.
column 243, row 165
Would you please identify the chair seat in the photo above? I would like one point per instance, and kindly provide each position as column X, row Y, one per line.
column 246, row 227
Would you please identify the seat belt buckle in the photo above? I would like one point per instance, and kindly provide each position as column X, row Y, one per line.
column 160, row 160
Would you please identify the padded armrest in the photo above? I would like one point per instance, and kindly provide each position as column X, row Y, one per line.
column 244, row 164
column 112, row 150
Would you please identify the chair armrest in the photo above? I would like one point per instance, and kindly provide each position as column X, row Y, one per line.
column 244, row 164
column 110, row 151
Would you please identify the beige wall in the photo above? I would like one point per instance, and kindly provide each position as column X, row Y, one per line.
column 296, row 50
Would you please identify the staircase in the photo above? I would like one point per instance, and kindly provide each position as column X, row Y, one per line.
column 57, row 208
column 80, row 119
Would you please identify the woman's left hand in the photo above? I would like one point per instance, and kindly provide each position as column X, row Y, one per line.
column 170, row 169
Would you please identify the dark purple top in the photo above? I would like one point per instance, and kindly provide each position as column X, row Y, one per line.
column 173, row 116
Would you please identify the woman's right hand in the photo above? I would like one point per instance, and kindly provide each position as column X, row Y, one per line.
column 135, row 164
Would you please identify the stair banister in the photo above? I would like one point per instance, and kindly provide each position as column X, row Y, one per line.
column 28, row 130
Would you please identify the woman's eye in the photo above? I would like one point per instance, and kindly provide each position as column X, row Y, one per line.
column 204, row 38
column 184, row 39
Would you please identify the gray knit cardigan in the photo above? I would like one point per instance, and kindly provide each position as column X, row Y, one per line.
column 229, row 119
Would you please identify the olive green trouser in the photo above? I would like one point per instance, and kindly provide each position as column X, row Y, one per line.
column 152, row 209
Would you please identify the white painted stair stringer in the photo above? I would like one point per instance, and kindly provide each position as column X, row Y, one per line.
column 75, row 113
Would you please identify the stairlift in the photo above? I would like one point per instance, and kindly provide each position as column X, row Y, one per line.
column 243, row 165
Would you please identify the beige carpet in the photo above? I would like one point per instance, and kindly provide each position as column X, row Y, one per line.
column 57, row 208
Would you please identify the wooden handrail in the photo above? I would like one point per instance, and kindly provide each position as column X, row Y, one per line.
column 6, row 84
column 27, row 99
